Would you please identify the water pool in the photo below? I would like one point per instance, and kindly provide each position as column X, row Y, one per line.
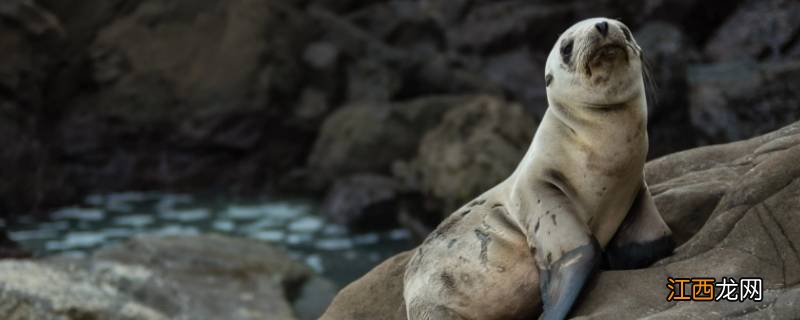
column 287, row 222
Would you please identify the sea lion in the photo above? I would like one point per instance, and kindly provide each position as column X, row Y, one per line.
column 530, row 243
column 538, row 235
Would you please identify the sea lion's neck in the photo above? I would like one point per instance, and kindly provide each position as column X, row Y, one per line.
column 576, row 137
column 587, row 119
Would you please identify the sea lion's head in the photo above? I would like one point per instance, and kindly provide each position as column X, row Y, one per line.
column 595, row 62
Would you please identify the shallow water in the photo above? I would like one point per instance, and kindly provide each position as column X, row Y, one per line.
column 290, row 223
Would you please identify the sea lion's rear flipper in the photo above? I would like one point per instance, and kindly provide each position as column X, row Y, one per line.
column 566, row 252
column 642, row 238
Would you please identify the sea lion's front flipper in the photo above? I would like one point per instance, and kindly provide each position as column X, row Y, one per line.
column 566, row 252
column 642, row 238
column 563, row 281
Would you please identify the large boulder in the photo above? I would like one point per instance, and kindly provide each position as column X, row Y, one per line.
column 734, row 209
column 187, row 277
column 188, row 93
column 667, row 52
column 369, row 137
column 29, row 177
column 757, row 30
column 33, row 290
column 735, row 100
column 363, row 201
column 476, row 146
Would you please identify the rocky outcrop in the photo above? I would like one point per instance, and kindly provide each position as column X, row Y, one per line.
column 193, row 277
column 477, row 145
column 364, row 202
column 175, row 96
column 371, row 137
column 413, row 162
column 668, row 53
column 734, row 210
column 29, row 177
column 736, row 100
column 758, row 30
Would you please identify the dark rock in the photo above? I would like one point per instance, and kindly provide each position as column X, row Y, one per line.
column 9, row 248
column 29, row 178
column 501, row 25
column 521, row 73
column 476, row 146
column 757, row 30
column 446, row 13
column 667, row 53
column 372, row 81
column 199, row 105
column 736, row 100
column 370, row 137
column 699, row 19
column 363, row 201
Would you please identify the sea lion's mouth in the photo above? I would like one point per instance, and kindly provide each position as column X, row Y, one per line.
column 608, row 52
column 606, row 56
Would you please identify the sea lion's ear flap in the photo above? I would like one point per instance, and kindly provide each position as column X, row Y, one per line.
column 642, row 238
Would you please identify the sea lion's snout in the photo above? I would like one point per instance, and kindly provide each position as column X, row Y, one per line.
column 602, row 27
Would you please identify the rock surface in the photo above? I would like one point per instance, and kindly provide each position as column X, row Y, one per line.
column 734, row 209
column 9, row 248
column 369, row 138
column 363, row 201
column 477, row 145
column 188, row 277
column 736, row 100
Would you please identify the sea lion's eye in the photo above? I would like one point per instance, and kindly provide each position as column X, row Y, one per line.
column 627, row 33
column 566, row 50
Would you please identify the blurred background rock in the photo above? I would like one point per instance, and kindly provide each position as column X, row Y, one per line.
column 417, row 104
column 388, row 113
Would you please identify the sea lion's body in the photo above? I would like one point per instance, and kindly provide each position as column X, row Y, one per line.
column 530, row 243
column 479, row 261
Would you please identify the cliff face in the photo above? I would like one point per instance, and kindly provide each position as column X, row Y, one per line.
column 235, row 96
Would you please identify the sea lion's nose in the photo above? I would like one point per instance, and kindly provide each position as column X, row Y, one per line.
column 602, row 27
